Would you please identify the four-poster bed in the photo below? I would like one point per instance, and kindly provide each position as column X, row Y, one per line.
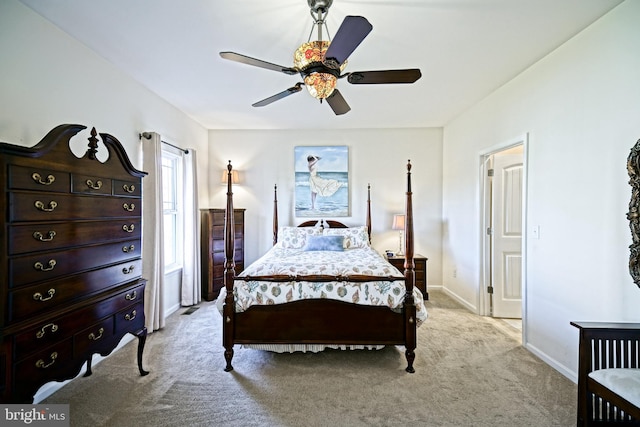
column 340, row 294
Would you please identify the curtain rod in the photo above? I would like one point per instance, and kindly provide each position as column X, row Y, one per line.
column 147, row 135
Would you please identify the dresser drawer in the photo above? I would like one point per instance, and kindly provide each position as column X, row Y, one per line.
column 217, row 216
column 57, row 328
column 87, row 184
column 127, row 188
column 218, row 231
column 57, row 235
column 45, row 365
column 217, row 251
column 130, row 319
column 52, row 207
column 31, row 300
column 218, row 269
column 47, row 266
column 420, row 269
column 93, row 336
column 34, row 178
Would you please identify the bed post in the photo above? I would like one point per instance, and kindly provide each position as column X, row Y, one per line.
column 275, row 214
column 409, row 276
column 228, row 309
column 368, row 223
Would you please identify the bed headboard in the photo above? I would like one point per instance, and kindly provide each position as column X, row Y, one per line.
column 330, row 223
column 324, row 223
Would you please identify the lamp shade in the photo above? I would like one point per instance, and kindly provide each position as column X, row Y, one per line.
column 234, row 177
column 398, row 222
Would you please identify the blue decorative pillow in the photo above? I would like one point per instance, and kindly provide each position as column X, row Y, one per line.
column 324, row 243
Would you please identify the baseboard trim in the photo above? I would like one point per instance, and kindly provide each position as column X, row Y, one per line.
column 571, row 375
column 471, row 308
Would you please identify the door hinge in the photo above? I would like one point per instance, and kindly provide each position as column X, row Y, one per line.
column 489, row 172
column 489, row 231
column 490, row 289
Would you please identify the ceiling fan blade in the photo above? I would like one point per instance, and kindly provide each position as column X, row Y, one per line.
column 350, row 34
column 385, row 76
column 337, row 103
column 232, row 56
column 277, row 96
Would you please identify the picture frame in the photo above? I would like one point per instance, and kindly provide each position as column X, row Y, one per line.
column 321, row 181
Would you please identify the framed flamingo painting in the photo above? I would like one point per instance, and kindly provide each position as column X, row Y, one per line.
column 321, row 181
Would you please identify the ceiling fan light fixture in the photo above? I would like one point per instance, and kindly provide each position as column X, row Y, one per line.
column 311, row 55
column 320, row 85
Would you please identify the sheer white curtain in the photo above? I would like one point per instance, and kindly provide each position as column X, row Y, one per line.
column 191, row 290
column 152, row 231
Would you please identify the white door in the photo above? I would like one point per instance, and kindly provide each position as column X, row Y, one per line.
column 506, row 232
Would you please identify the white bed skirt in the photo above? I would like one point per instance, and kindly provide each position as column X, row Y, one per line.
column 311, row 348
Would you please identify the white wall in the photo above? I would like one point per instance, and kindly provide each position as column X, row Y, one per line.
column 378, row 157
column 48, row 78
column 580, row 106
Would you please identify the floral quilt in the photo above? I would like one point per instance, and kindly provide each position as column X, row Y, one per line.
column 297, row 262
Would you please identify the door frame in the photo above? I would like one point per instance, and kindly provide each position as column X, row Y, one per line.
column 484, row 301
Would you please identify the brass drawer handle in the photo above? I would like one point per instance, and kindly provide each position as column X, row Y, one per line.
column 132, row 296
column 129, row 207
column 129, row 188
column 94, row 337
column 37, row 178
column 39, row 236
column 39, row 297
column 129, row 248
column 43, row 331
column 40, row 206
column 128, row 228
column 40, row 266
column 128, row 270
column 94, row 185
column 41, row 363
column 130, row 316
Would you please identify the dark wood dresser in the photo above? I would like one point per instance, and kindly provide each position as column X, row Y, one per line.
column 70, row 259
column 212, row 249
column 420, row 269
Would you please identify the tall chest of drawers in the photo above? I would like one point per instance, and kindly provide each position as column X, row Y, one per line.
column 70, row 259
column 212, row 249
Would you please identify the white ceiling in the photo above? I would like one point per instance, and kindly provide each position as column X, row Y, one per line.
column 465, row 49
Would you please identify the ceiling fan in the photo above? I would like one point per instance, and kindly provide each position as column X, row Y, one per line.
column 320, row 63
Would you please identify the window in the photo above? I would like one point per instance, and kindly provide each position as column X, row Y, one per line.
column 172, row 208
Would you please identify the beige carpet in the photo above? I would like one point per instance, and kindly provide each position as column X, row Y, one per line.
column 468, row 373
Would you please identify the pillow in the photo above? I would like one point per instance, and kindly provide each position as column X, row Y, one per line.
column 354, row 237
column 324, row 243
column 296, row 237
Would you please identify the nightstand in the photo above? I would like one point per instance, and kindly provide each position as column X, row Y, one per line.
column 420, row 269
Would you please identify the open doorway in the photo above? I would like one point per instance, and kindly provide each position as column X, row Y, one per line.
column 503, row 220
